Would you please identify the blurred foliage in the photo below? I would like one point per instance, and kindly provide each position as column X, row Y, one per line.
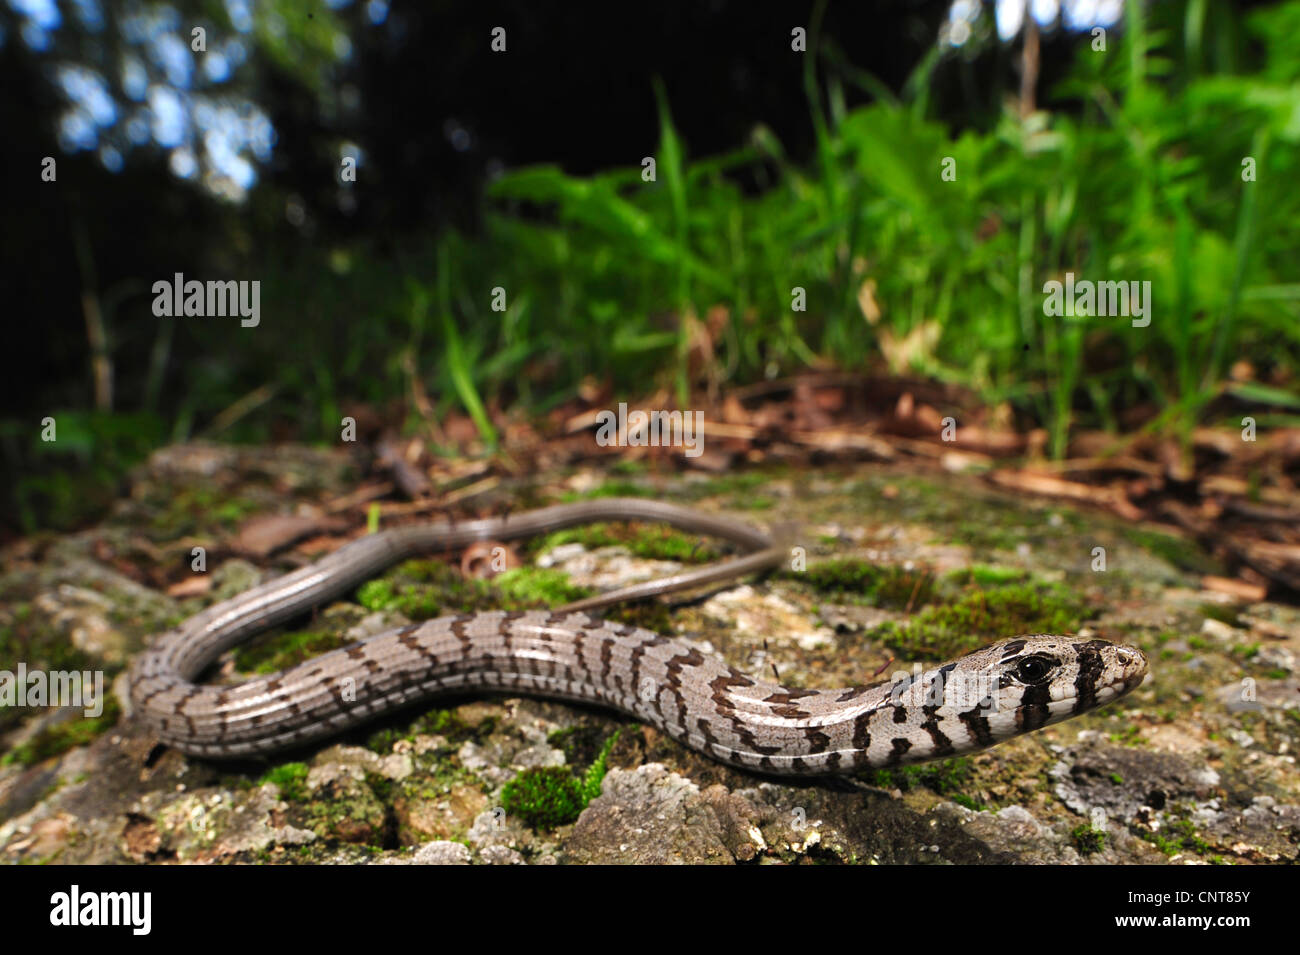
column 76, row 476
column 608, row 274
column 1142, row 182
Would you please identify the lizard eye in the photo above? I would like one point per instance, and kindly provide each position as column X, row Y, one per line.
column 1034, row 669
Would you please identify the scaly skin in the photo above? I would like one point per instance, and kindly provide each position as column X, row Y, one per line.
column 993, row 694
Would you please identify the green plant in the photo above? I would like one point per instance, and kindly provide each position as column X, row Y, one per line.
column 1088, row 840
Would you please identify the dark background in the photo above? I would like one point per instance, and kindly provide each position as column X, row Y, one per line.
column 575, row 89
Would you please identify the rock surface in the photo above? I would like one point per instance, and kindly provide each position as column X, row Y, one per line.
column 1197, row 766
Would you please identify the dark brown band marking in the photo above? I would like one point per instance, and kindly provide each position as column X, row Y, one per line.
column 977, row 725
column 900, row 746
column 1012, row 649
column 1033, row 711
column 942, row 744
column 1088, row 680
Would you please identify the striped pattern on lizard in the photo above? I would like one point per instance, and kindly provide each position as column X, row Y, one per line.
column 993, row 694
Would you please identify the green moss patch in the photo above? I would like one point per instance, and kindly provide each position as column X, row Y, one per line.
column 850, row 578
column 1176, row 551
column 1088, row 840
column 525, row 587
column 983, row 615
column 1130, row 735
column 552, row 796
column 947, row 777
column 544, row 797
column 423, row 589
column 62, row 737
column 277, row 652
column 290, row 778
column 189, row 510
column 1179, row 836
column 612, row 489
column 650, row 541
column 984, row 575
